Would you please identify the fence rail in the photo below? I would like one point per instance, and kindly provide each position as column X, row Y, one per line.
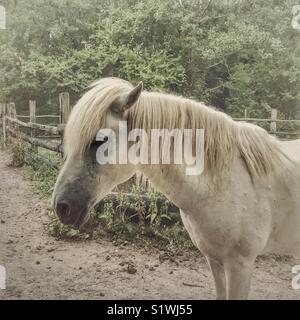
column 273, row 125
column 39, row 117
column 50, row 137
column 267, row 120
column 38, row 135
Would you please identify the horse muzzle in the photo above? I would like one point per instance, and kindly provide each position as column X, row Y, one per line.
column 70, row 213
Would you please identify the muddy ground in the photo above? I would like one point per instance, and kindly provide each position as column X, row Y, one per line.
column 40, row 267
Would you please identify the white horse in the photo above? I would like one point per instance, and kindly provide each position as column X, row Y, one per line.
column 244, row 203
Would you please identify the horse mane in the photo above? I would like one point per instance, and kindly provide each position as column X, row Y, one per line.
column 224, row 137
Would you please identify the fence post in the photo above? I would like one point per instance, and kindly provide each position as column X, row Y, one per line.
column 4, row 124
column 298, row 118
column 32, row 111
column 64, row 107
column 32, row 118
column 64, row 112
column 8, row 113
column 13, row 113
column 8, row 110
column 273, row 126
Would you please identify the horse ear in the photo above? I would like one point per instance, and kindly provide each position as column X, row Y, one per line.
column 129, row 100
column 134, row 95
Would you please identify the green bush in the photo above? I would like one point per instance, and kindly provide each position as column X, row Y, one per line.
column 233, row 55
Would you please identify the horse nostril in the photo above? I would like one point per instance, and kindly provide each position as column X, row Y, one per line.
column 63, row 210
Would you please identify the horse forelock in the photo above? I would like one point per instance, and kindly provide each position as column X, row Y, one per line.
column 224, row 137
column 88, row 115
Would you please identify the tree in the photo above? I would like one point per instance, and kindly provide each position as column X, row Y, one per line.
column 234, row 55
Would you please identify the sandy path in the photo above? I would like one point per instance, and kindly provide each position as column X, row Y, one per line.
column 40, row 267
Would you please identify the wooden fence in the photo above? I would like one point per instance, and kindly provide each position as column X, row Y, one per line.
column 273, row 121
column 38, row 135
column 14, row 125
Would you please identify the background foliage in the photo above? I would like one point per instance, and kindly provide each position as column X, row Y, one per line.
column 232, row 54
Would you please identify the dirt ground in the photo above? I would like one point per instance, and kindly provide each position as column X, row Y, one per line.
column 40, row 267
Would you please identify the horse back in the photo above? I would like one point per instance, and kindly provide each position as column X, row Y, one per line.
column 285, row 236
column 292, row 149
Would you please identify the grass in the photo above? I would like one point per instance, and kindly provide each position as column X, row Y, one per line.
column 139, row 219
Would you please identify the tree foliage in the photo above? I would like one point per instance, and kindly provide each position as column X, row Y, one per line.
column 232, row 54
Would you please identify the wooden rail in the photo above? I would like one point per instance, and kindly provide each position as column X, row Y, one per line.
column 50, row 129
column 50, row 145
column 39, row 116
column 267, row 120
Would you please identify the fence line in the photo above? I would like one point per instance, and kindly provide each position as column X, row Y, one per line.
column 11, row 124
column 267, row 120
column 45, row 116
column 35, row 142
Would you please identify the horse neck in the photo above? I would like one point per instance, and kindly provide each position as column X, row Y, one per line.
column 186, row 191
column 172, row 181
